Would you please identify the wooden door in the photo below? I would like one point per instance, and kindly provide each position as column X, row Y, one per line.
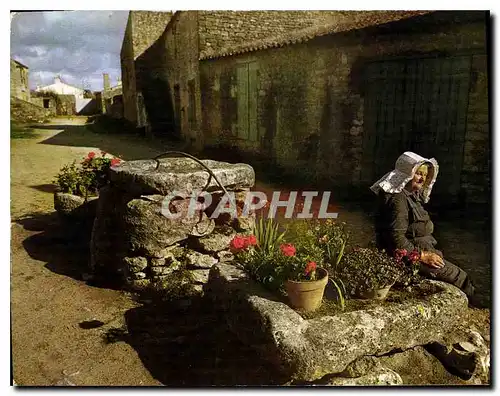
column 247, row 101
column 420, row 105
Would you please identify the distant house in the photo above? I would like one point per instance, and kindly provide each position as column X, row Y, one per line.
column 333, row 96
column 19, row 82
column 61, row 88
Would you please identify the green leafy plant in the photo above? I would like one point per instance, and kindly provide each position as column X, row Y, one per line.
column 365, row 269
column 327, row 237
column 87, row 178
column 268, row 234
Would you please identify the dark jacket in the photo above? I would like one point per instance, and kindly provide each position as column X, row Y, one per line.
column 402, row 223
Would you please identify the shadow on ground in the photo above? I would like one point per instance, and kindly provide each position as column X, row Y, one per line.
column 127, row 146
column 189, row 345
column 65, row 248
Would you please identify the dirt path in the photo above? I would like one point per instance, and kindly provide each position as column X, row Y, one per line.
column 48, row 345
column 53, row 307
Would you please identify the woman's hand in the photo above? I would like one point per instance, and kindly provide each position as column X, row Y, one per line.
column 431, row 259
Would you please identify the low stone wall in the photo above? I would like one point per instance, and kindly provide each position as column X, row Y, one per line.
column 133, row 240
column 22, row 111
column 313, row 349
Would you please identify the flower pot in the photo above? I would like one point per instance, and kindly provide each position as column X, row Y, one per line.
column 307, row 295
column 374, row 294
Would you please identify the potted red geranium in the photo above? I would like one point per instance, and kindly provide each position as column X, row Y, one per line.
column 282, row 267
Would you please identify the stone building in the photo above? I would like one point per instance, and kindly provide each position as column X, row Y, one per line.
column 19, row 81
column 111, row 99
column 336, row 99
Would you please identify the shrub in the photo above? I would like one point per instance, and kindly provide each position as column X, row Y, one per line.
column 87, row 178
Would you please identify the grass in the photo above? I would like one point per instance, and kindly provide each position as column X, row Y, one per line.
column 21, row 132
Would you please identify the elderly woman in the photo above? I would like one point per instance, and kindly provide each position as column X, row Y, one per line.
column 403, row 223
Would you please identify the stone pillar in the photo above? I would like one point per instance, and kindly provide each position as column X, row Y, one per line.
column 133, row 240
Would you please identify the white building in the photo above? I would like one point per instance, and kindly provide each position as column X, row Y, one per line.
column 61, row 88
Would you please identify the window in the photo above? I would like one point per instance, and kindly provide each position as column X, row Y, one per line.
column 46, row 103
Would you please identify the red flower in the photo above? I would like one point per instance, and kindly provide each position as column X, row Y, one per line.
column 288, row 249
column 91, row 155
column 252, row 240
column 414, row 256
column 310, row 267
column 115, row 161
column 239, row 242
column 400, row 253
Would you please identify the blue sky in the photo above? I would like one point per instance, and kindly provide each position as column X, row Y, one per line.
column 77, row 45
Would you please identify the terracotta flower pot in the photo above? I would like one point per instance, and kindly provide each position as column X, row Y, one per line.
column 307, row 295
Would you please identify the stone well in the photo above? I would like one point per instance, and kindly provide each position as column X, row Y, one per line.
column 133, row 241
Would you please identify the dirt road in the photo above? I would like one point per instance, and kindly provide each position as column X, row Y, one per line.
column 59, row 321
column 48, row 300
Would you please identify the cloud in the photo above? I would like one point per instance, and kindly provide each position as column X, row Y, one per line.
column 78, row 45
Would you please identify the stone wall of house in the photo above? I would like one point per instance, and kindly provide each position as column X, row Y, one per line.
column 19, row 81
column 310, row 110
column 224, row 29
column 128, row 75
column 143, row 29
column 169, row 70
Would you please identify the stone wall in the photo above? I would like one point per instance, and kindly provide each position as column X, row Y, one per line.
column 19, row 81
column 143, row 29
column 310, row 96
column 128, row 75
column 226, row 29
column 22, row 111
column 183, row 74
column 476, row 171
column 66, row 105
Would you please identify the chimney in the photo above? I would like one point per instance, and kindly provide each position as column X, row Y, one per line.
column 105, row 81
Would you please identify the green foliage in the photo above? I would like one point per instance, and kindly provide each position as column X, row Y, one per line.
column 70, row 180
column 85, row 180
column 325, row 237
column 268, row 234
column 364, row 269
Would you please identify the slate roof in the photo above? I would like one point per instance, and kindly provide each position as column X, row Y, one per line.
column 353, row 20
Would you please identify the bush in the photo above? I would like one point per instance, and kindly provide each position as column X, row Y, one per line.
column 85, row 180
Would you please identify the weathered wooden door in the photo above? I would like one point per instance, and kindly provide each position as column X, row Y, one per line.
column 247, row 101
column 418, row 105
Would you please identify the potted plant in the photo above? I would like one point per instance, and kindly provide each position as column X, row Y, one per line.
column 281, row 266
column 327, row 240
column 369, row 273
column 77, row 186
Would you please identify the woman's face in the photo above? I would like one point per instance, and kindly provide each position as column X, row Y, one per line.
column 420, row 177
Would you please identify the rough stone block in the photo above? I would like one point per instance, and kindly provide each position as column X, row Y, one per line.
column 309, row 349
column 180, row 175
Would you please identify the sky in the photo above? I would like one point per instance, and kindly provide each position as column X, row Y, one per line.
column 79, row 46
